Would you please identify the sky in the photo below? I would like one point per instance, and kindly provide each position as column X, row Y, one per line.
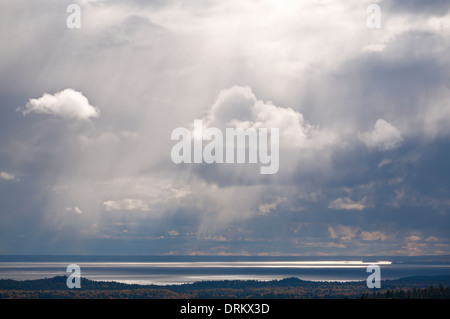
column 363, row 112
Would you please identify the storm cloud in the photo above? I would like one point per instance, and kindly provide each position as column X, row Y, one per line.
column 86, row 117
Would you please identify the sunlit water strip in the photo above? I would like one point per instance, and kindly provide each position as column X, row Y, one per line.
column 176, row 272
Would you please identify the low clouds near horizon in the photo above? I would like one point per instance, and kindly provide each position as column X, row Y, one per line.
column 86, row 117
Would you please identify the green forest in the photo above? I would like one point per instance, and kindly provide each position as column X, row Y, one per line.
column 290, row 288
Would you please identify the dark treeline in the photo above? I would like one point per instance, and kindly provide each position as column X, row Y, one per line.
column 290, row 288
column 431, row 292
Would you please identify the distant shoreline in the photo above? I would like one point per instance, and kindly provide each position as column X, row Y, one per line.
column 166, row 270
column 288, row 288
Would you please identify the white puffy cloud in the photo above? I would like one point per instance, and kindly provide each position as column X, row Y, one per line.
column 372, row 236
column 173, row 233
column 142, row 194
column 384, row 136
column 349, row 233
column 414, row 238
column 239, row 107
column 69, row 104
column 343, row 232
column 432, row 239
column 129, row 204
column 7, row 176
column 347, row 204
column 268, row 207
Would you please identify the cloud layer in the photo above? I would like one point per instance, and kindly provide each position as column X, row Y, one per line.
column 363, row 116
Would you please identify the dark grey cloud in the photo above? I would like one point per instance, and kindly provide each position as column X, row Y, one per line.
column 418, row 7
